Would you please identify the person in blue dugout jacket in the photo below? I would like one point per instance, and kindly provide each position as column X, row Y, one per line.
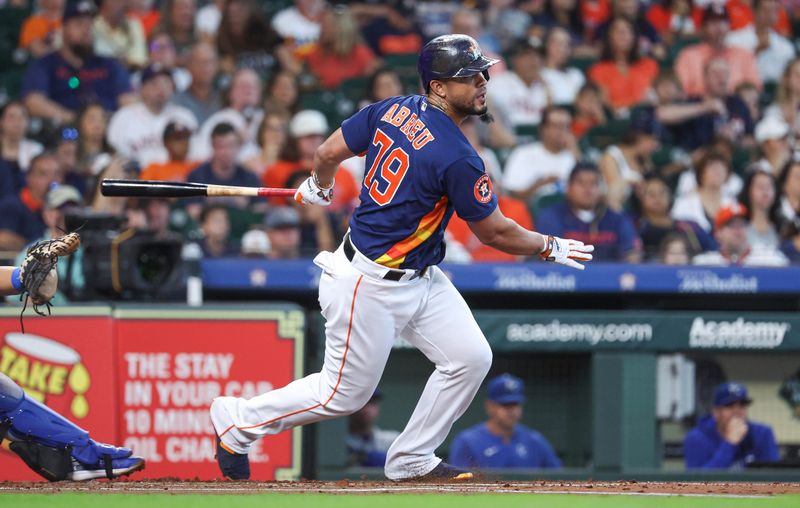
column 501, row 441
column 726, row 438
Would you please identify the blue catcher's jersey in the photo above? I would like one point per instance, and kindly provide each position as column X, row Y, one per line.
column 419, row 168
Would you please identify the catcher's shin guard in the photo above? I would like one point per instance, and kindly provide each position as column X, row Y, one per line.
column 53, row 446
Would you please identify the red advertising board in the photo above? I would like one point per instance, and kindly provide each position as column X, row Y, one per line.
column 67, row 362
column 172, row 363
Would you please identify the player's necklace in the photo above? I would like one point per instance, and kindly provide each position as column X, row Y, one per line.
column 437, row 107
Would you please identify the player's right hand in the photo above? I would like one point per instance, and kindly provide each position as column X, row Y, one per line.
column 310, row 193
column 566, row 252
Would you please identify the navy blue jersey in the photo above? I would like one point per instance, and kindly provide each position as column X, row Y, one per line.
column 100, row 79
column 419, row 169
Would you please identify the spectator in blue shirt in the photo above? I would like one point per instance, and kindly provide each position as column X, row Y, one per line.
column 585, row 217
column 222, row 169
column 21, row 219
column 502, row 442
column 726, row 438
column 58, row 84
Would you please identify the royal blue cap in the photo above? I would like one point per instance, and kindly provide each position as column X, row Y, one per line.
column 506, row 389
column 728, row 393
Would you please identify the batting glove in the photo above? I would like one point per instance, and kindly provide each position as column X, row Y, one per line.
column 566, row 252
column 311, row 192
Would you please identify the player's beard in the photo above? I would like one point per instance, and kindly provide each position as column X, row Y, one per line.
column 81, row 50
column 471, row 110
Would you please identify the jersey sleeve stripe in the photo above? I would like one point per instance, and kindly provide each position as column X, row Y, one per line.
column 395, row 256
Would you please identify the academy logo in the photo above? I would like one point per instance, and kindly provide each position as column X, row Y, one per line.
column 483, row 189
column 738, row 334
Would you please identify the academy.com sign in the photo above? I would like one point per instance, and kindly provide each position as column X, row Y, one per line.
column 738, row 333
column 589, row 333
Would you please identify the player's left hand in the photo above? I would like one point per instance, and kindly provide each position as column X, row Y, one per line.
column 309, row 192
column 566, row 252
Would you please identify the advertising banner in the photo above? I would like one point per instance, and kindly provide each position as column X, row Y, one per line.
column 65, row 361
column 529, row 277
column 632, row 330
column 172, row 363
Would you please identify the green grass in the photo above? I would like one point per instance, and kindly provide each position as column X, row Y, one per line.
column 275, row 500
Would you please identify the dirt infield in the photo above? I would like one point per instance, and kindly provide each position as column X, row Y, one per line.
column 374, row 487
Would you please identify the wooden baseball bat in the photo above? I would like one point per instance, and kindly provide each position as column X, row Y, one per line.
column 163, row 189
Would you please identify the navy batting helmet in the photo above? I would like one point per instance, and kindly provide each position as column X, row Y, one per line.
column 452, row 56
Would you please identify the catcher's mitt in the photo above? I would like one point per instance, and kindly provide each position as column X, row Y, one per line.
column 38, row 271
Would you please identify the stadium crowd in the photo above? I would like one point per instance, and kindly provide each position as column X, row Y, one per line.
column 662, row 131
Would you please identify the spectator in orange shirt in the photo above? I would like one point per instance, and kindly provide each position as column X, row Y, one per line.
column 307, row 131
column 691, row 62
column 340, row 54
column 675, row 18
column 624, row 77
column 176, row 141
column 41, row 33
column 593, row 13
column 741, row 15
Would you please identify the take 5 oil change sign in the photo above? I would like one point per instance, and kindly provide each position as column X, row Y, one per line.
column 172, row 363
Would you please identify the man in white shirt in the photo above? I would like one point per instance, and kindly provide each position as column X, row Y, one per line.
column 772, row 50
column 135, row 131
column 730, row 230
column 300, row 23
column 520, row 95
column 543, row 167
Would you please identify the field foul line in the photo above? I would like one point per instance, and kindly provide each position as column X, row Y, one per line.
column 458, row 489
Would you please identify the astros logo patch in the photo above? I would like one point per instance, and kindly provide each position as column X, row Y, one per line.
column 483, row 189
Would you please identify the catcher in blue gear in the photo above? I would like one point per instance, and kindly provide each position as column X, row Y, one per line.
column 48, row 443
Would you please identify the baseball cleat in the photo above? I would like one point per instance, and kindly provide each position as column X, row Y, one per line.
column 445, row 471
column 234, row 466
column 119, row 467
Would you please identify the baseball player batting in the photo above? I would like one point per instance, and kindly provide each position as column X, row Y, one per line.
column 383, row 282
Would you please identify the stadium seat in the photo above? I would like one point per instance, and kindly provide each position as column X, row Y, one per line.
column 355, row 89
column 581, row 63
column 527, row 132
column 334, row 105
column 608, row 134
column 242, row 220
column 541, row 202
column 662, row 156
column 10, row 83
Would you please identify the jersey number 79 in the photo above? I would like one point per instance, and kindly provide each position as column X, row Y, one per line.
column 393, row 168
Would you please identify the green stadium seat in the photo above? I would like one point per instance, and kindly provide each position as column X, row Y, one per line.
column 355, row 89
column 242, row 220
column 662, row 156
column 608, row 134
column 541, row 202
column 527, row 131
column 769, row 94
column 742, row 157
column 582, row 63
column 10, row 83
column 401, row 61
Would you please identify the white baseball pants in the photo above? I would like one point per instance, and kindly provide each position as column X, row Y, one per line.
column 364, row 314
